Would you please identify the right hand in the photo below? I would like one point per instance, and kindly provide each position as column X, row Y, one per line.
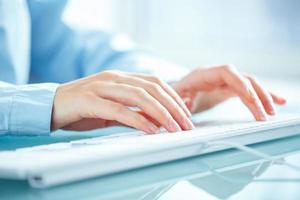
column 104, row 99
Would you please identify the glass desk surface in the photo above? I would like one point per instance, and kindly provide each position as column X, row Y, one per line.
column 230, row 174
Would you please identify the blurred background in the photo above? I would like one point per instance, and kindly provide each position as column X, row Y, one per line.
column 258, row 36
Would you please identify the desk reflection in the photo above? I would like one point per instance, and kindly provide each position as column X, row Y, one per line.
column 219, row 175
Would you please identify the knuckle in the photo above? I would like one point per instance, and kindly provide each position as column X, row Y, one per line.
column 244, row 85
column 95, row 84
column 140, row 93
column 93, row 87
column 156, row 79
column 166, row 116
column 246, row 81
column 252, row 78
column 168, row 120
column 154, row 87
column 180, row 117
column 110, row 74
column 252, row 98
column 228, row 67
column 244, row 91
column 92, row 114
column 87, row 96
column 267, row 100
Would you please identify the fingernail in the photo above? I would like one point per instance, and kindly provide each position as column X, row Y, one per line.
column 283, row 100
column 262, row 114
column 151, row 128
column 173, row 126
column 271, row 108
column 188, row 125
column 272, row 111
column 262, row 117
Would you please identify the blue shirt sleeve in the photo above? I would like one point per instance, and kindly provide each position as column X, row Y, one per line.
column 60, row 53
column 26, row 109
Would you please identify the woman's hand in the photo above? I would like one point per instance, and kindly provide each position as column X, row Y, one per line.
column 108, row 98
column 203, row 88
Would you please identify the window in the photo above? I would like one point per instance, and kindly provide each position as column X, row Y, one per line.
column 259, row 36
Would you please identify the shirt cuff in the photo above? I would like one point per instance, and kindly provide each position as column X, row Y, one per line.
column 31, row 109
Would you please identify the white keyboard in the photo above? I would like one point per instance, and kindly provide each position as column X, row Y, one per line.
column 58, row 163
column 206, row 129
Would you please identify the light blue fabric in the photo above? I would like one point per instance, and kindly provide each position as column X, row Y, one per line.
column 36, row 46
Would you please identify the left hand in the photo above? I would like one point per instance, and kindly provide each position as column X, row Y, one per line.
column 204, row 88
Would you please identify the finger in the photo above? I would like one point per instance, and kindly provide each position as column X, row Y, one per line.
column 277, row 99
column 254, row 104
column 244, row 90
column 163, row 97
column 112, row 111
column 188, row 102
column 138, row 97
column 168, row 89
column 263, row 95
column 149, row 118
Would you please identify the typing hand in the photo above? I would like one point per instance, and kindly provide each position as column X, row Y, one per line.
column 104, row 99
column 203, row 88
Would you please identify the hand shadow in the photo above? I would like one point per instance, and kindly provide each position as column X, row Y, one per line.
column 13, row 142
